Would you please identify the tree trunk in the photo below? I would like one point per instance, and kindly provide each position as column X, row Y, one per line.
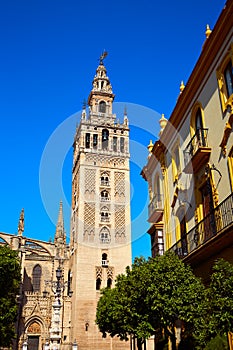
column 139, row 343
column 173, row 341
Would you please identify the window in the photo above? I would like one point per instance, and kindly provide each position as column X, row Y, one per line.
column 105, row 137
column 104, row 260
column 98, row 284
column 105, row 235
column 157, row 196
column 228, row 77
column 157, row 242
column 181, row 231
column 104, row 196
column 87, row 144
column 36, row 278
column 230, row 167
column 109, row 283
column 199, row 129
column 225, row 79
column 104, row 180
column 95, row 140
column 102, row 107
column 69, row 292
column 122, row 144
column 114, row 144
column 176, row 163
column 104, row 215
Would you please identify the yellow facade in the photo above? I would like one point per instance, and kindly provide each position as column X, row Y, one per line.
column 194, row 153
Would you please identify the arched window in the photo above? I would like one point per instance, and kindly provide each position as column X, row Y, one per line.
column 104, row 180
column 105, row 137
column 87, row 141
column 199, row 128
column 102, row 107
column 157, row 192
column 104, row 214
column 104, row 260
column 69, row 291
column 109, row 283
column 105, row 235
column 225, row 79
column 98, row 284
column 114, row 146
column 228, row 76
column 104, row 196
column 182, row 228
column 36, row 278
column 122, row 144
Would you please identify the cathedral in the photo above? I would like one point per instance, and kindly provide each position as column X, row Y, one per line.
column 61, row 282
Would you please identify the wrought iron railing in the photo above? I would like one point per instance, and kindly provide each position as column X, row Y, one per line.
column 198, row 140
column 155, row 203
column 213, row 224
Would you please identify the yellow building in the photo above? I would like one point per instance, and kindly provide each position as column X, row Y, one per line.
column 61, row 283
column 190, row 167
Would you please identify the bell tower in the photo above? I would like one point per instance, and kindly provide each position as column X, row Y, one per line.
column 100, row 219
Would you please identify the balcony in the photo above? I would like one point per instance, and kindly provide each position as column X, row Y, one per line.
column 209, row 232
column 105, row 263
column 104, row 183
column 197, row 153
column 104, row 199
column 155, row 209
column 105, row 218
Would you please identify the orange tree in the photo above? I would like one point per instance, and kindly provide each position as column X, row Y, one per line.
column 152, row 295
column 9, row 286
column 217, row 314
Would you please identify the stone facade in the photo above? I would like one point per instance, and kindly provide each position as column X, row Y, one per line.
column 61, row 282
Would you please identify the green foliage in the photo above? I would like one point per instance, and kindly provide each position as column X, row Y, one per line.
column 157, row 293
column 122, row 311
column 174, row 293
column 152, row 295
column 217, row 315
column 217, row 343
column 9, row 285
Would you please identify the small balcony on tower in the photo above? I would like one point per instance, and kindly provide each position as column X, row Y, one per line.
column 197, row 152
column 155, row 209
column 104, row 196
column 104, row 181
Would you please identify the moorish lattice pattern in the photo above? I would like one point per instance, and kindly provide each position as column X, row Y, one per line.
column 90, row 178
column 119, row 186
column 110, row 272
column 120, row 224
column 98, row 271
column 89, row 222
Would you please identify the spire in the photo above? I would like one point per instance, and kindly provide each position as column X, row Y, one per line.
column 21, row 223
column 101, row 82
column 208, row 31
column 162, row 123
column 60, row 235
column 101, row 96
column 182, row 86
column 84, row 114
column 125, row 116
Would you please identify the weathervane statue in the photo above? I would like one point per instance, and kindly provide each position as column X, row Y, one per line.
column 102, row 57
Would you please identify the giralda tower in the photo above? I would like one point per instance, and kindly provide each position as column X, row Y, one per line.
column 100, row 219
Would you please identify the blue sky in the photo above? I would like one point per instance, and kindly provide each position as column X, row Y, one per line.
column 49, row 54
